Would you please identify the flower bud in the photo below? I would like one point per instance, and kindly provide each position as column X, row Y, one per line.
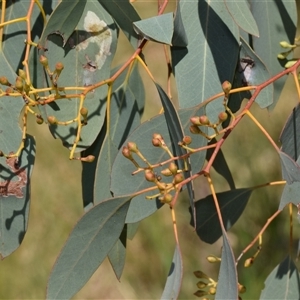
column 84, row 111
column 89, row 158
column 149, row 175
column 52, row 120
column 132, row 147
column 290, row 63
column 173, row 168
column 19, row 84
column 126, row 152
column 44, row 60
column 226, row 86
column 223, row 116
column 283, row 55
column 4, row 81
column 213, row 259
column 200, row 274
column 194, row 129
column 178, row 178
column 167, row 198
column 22, row 74
column 285, row 44
column 166, row 172
column 212, row 291
column 59, row 67
column 200, row 293
column 186, row 140
column 204, row 120
column 201, row 284
column 1, row 153
column 39, row 120
column 248, row 262
column 241, row 288
column 195, row 120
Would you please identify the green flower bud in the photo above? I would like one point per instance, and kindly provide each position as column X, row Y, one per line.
column 39, row 120
column 22, row 74
column 19, row 84
column 167, row 198
column 4, row 81
column 200, row 274
column 201, row 284
column 290, row 63
column 166, row 172
column 52, row 120
column 173, row 168
column 241, row 288
column 285, row 44
column 84, row 111
column 44, row 61
column 212, row 291
column 178, row 178
column 248, row 262
column 200, row 293
column 226, row 86
column 213, row 259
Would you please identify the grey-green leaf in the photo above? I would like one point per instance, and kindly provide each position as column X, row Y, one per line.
column 283, row 282
column 202, row 64
column 87, row 246
column 15, row 197
column 232, row 204
column 290, row 194
column 289, row 168
column 157, row 29
column 124, row 15
column 64, row 19
column 276, row 21
column 173, row 284
column 227, row 287
column 242, row 16
column 95, row 45
column 176, row 134
column 289, row 136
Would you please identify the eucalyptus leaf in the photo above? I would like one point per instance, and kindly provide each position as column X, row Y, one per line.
column 276, row 21
column 213, row 36
column 15, row 197
column 227, row 287
column 64, row 19
column 232, row 204
column 289, row 136
column 86, row 57
column 87, row 246
column 124, row 15
column 117, row 254
column 157, row 29
column 289, row 168
column 242, row 16
column 283, row 282
column 173, row 284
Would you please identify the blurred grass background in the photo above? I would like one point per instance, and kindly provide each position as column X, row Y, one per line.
column 56, row 206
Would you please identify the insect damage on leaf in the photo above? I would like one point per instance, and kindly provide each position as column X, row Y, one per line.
column 10, row 187
column 99, row 33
